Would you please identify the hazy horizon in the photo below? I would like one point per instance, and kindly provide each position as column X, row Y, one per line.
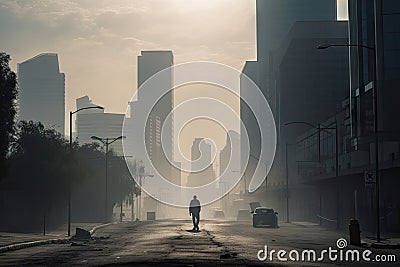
column 98, row 41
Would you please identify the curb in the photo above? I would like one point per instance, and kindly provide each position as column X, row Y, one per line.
column 385, row 246
column 33, row 244
column 46, row 242
column 94, row 229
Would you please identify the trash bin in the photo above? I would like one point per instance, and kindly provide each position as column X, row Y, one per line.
column 354, row 231
column 151, row 215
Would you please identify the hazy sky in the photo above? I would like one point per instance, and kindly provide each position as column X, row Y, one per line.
column 98, row 40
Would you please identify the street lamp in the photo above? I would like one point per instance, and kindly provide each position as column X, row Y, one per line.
column 319, row 128
column 70, row 146
column 106, row 141
column 375, row 110
column 287, row 180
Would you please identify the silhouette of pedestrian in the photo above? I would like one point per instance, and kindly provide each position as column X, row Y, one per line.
column 194, row 211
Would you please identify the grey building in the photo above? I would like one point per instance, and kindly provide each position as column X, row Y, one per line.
column 307, row 86
column 42, row 91
column 344, row 194
column 383, row 33
column 275, row 18
column 373, row 24
column 150, row 63
column 200, row 156
column 95, row 122
column 250, row 124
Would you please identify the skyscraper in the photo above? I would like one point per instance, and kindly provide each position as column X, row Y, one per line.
column 276, row 17
column 42, row 91
column 202, row 167
column 149, row 63
column 374, row 24
column 274, row 20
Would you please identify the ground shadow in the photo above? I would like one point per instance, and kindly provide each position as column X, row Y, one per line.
column 193, row 231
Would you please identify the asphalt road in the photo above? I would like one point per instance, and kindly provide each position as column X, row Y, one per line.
column 170, row 243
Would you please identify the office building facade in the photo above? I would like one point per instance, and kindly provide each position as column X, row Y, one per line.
column 95, row 122
column 42, row 91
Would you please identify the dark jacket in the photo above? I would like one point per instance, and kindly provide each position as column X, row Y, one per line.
column 194, row 206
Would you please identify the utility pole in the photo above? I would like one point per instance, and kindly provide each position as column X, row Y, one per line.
column 106, row 141
column 70, row 147
column 287, row 182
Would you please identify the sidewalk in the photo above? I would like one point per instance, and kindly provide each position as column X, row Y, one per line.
column 7, row 239
column 388, row 241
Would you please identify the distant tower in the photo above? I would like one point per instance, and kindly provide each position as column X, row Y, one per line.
column 201, row 150
column 42, row 91
column 227, row 154
column 150, row 63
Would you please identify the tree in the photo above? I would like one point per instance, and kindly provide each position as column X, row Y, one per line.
column 41, row 169
column 8, row 95
column 89, row 192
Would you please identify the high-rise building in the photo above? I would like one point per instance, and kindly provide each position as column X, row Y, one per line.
column 335, row 157
column 275, row 18
column 374, row 24
column 95, row 122
column 160, row 152
column 42, row 91
column 227, row 155
column 308, row 86
column 150, row 63
column 202, row 167
column 250, row 124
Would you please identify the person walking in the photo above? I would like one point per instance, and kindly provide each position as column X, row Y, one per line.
column 194, row 211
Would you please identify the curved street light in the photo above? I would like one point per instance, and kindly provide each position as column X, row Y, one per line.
column 106, row 141
column 70, row 146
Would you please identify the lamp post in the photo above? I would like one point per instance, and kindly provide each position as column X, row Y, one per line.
column 70, row 146
column 106, row 141
column 376, row 139
column 318, row 128
column 287, row 180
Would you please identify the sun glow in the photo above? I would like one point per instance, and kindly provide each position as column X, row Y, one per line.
column 198, row 4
